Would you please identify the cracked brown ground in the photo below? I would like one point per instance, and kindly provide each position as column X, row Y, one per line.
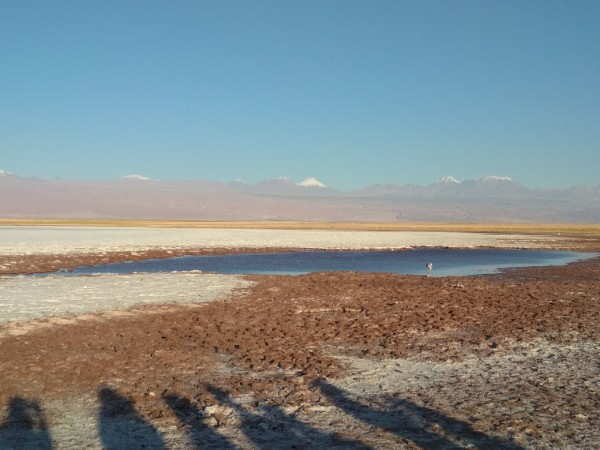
column 275, row 343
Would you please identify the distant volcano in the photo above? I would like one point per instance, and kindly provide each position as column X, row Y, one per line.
column 489, row 199
column 311, row 182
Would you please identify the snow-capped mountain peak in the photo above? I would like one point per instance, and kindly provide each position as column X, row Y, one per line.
column 283, row 180
column 311, row 182
column 449, row 180
column 4, row 173
column 496, row 179
column 135, row 177
column 498, row 184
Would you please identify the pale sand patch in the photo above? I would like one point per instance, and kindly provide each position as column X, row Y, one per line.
column 28, row 298
column 537, row 384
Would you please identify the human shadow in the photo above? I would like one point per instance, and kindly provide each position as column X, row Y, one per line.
column 25, row 426
column 423, row 426
column 199, row 434
column 122, row 427
column 270, row 427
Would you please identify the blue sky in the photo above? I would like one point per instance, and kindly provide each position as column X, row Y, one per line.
column 350, row 92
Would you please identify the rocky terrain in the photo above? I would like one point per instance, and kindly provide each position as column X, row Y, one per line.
column 324, row 360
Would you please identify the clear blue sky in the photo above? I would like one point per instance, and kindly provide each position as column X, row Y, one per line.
column 350, row 92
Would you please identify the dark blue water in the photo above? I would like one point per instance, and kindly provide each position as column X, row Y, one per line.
column 446, row 262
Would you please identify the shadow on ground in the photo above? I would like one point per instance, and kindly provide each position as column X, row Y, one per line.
column 120, row 426
column 25, row 426
column 417, row 424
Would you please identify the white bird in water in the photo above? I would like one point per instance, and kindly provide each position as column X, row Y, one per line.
column 429, row 267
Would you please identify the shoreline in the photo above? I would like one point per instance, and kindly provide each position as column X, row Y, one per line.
column 321, row 360
column 53, row 263
column 332, row 353
column 28, row 250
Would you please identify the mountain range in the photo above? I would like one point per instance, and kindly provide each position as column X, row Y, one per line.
column 487, row 199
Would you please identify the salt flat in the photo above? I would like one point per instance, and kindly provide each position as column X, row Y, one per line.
column 323, row 360
column 49, row 240
column 25, row 298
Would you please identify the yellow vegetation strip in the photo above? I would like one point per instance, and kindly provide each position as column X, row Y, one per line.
column 573, row 229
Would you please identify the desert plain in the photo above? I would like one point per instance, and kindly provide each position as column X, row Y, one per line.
column 323, row 360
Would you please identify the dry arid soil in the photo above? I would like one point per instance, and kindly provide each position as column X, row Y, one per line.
column 324, row 360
